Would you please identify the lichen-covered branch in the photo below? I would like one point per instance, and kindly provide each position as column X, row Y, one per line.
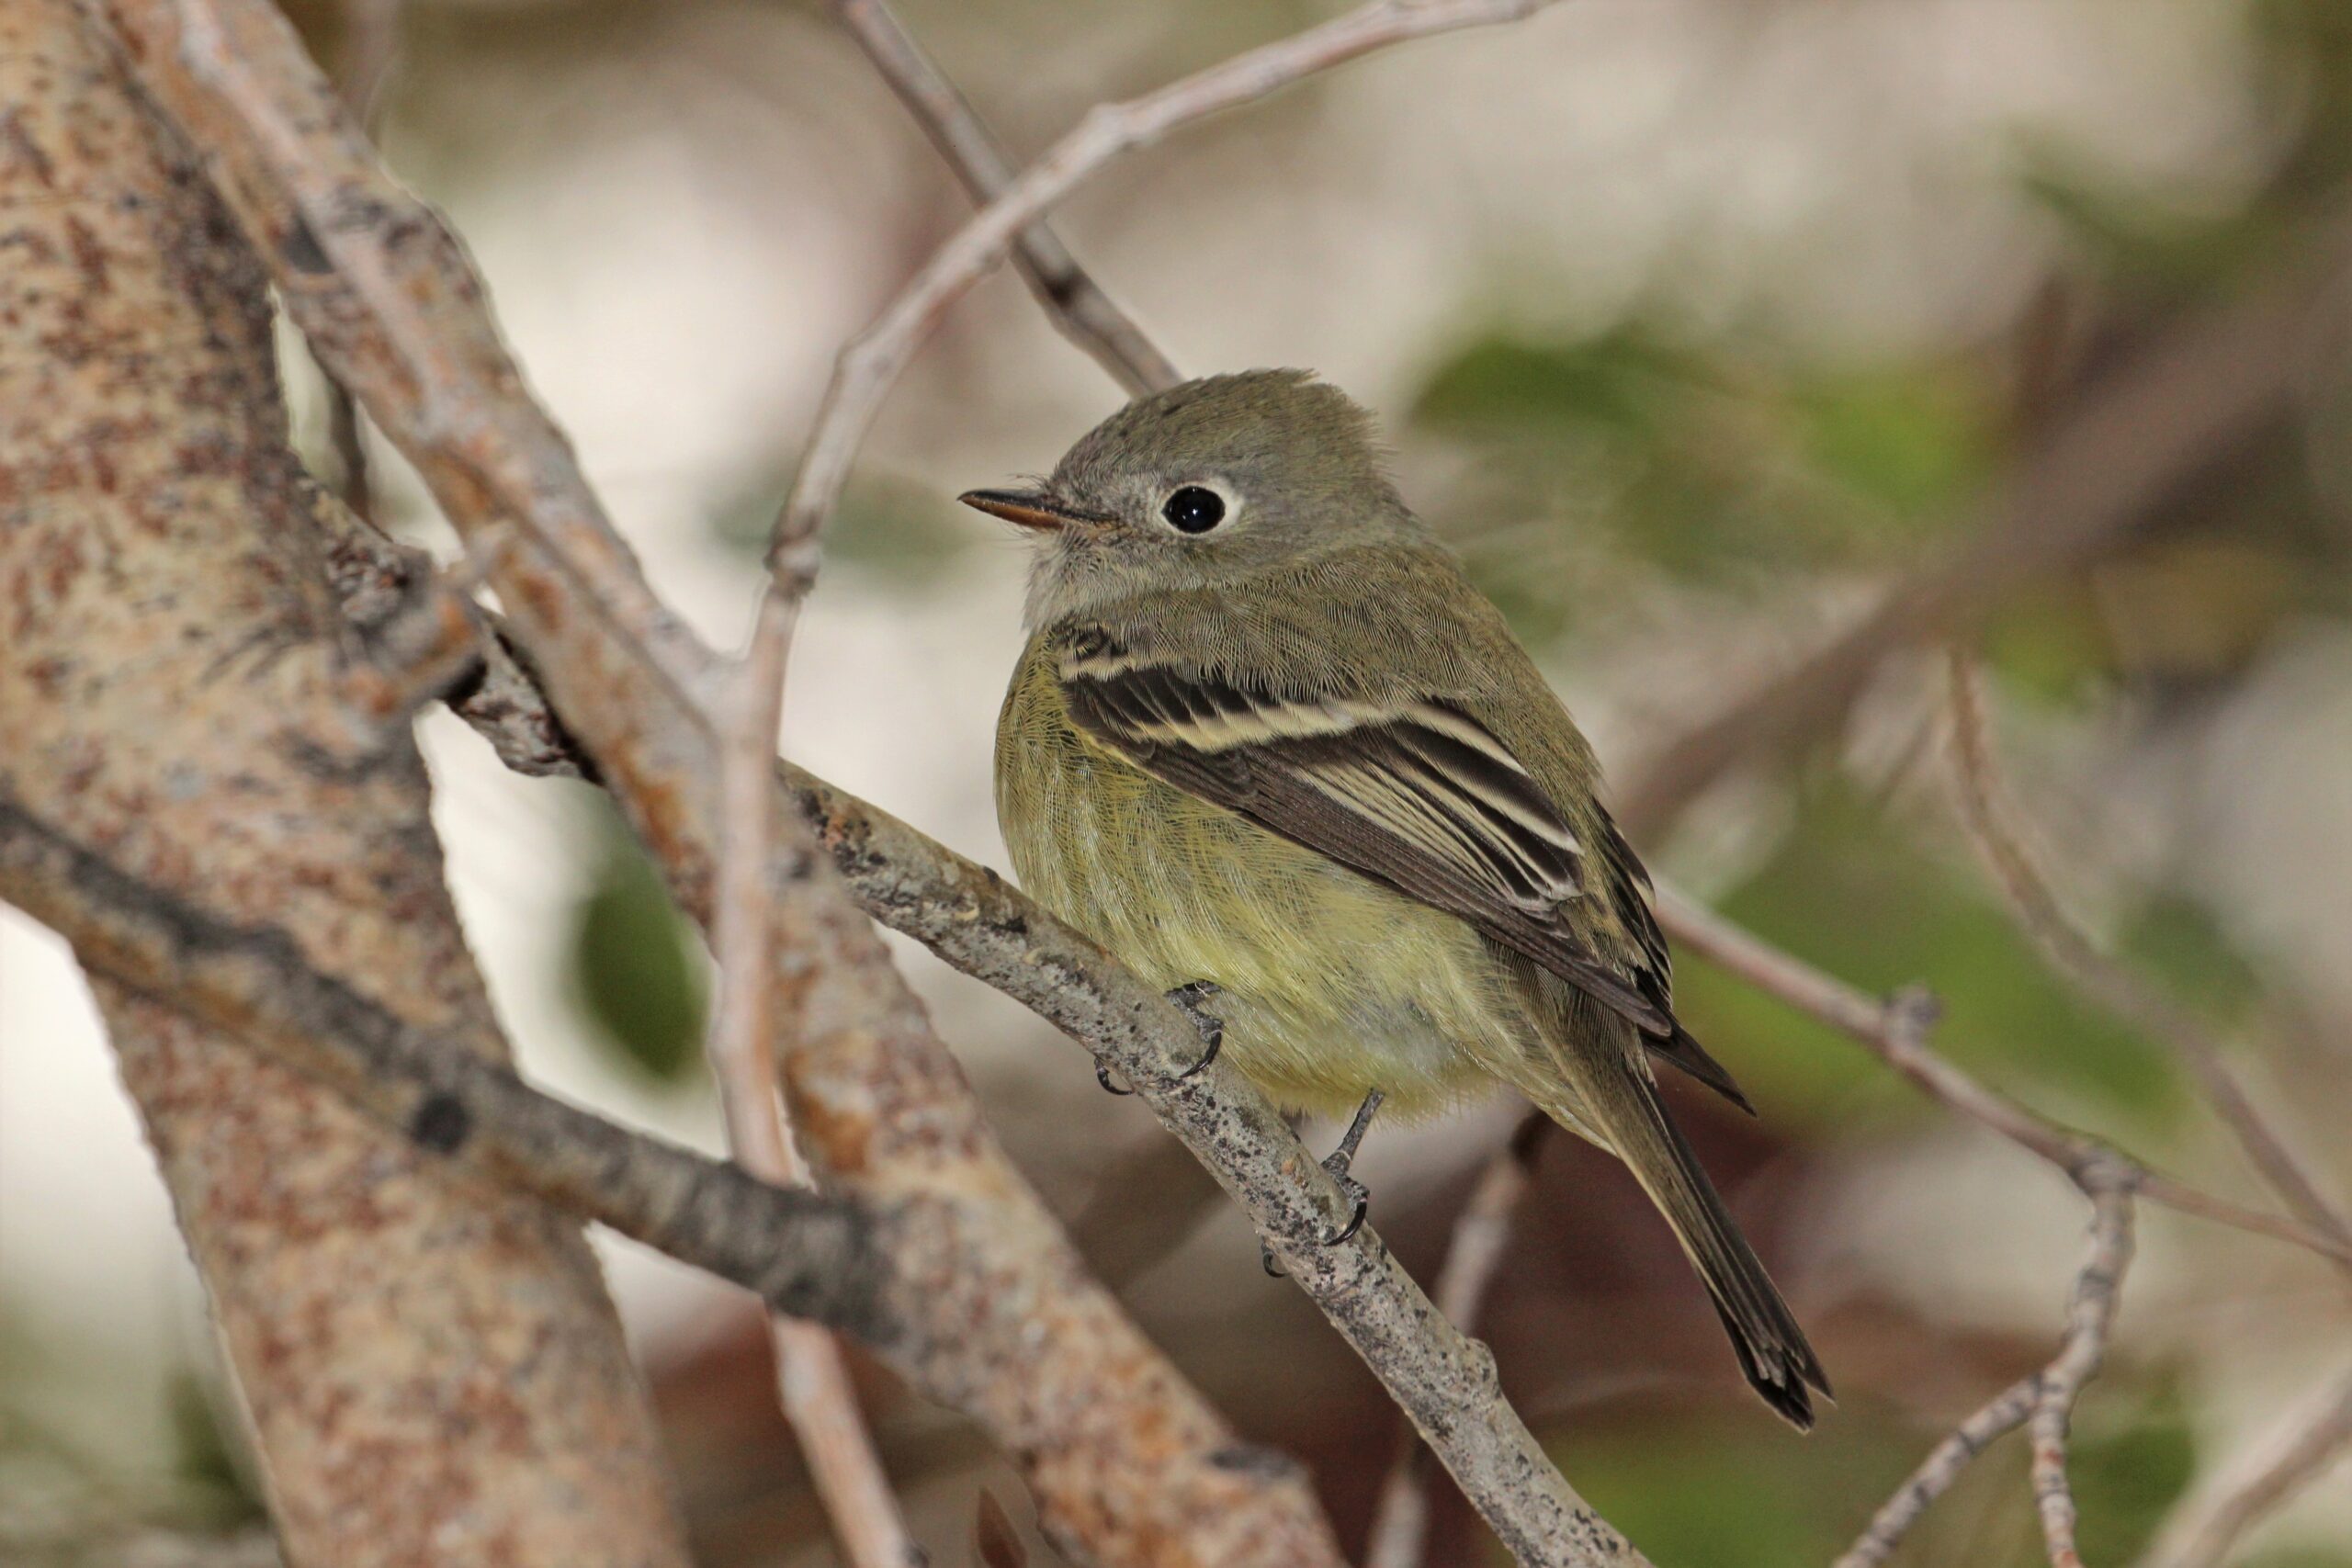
column 431, row 1371
column 1400, row 1521
column 982, row 925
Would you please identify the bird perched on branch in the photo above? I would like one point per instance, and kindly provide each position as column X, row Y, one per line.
column 1270, row 746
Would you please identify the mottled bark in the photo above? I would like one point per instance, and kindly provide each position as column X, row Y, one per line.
column 1127, row 1461
column 433, row 1369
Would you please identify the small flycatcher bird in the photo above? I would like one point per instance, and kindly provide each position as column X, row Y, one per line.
column 1270, row 746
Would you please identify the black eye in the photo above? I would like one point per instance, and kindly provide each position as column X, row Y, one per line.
column 1193, row 510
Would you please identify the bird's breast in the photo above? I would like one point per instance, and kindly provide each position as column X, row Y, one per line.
column 1332, row 984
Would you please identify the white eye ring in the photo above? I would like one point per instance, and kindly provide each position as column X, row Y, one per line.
column 1196, row 508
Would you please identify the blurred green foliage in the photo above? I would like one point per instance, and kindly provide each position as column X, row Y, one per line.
column 2132, row 1460
column 635, row 965
column 216, row 1464
column 1704, row 1493
column 1735, row 1493
column 1851, row 891
column 1708, row 460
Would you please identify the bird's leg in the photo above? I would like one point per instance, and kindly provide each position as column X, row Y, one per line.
column 1343, row 1158
column 1188, row 999
column 1337, row 1164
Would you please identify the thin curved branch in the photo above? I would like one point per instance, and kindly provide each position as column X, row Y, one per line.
column 1400, row 1521
column 1895, row 1031
column 870, row 366
column 813, row 1383
column 2070, row 950
column 2090, row 1318
column 2044, row 1398
column 1071, row 298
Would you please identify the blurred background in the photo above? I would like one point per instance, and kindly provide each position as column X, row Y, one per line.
column 1698, row 326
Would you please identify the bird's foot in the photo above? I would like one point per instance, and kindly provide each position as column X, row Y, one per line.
column 1359, row 1197
column 1188, row 999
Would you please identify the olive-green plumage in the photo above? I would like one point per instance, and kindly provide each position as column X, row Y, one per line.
column 1265, row 735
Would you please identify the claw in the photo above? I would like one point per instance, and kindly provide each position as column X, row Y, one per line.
column 1188, row 999
column 1338, row 1161
column 1215, row 1035
column 1103, row 1077
column 1266, row 1261
column 1361, row 1196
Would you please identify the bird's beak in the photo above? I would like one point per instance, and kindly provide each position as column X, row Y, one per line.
column 1029, row 507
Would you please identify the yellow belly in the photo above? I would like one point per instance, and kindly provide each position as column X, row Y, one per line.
column 1331, row 984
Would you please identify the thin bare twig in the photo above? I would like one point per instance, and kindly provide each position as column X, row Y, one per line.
column 2070, row 950
column 867, row 368
column 1092, row 320
column 2090, row 1317
column 2043, row 1397
column 1400, row 1524
column 2001, row 1414
column 2202, row 1534
column 1072, row 300
column 813, row 1383
column 1895, row 1031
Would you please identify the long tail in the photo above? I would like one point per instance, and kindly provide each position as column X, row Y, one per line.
column 1773, row 1354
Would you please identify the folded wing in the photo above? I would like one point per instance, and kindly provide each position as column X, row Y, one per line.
column 1417, row 794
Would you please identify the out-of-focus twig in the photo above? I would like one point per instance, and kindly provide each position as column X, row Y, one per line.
column 2090, row 1317
column 1400, row 1523
column 1996, row 1417
column 1072, row 300
column 2202, row 1534
column 2044, row 1397
column 2069, row 950
column 867, row 368
column 812, row 1381
column 1895, row 1031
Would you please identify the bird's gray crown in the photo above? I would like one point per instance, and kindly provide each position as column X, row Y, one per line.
column 1272, row 432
